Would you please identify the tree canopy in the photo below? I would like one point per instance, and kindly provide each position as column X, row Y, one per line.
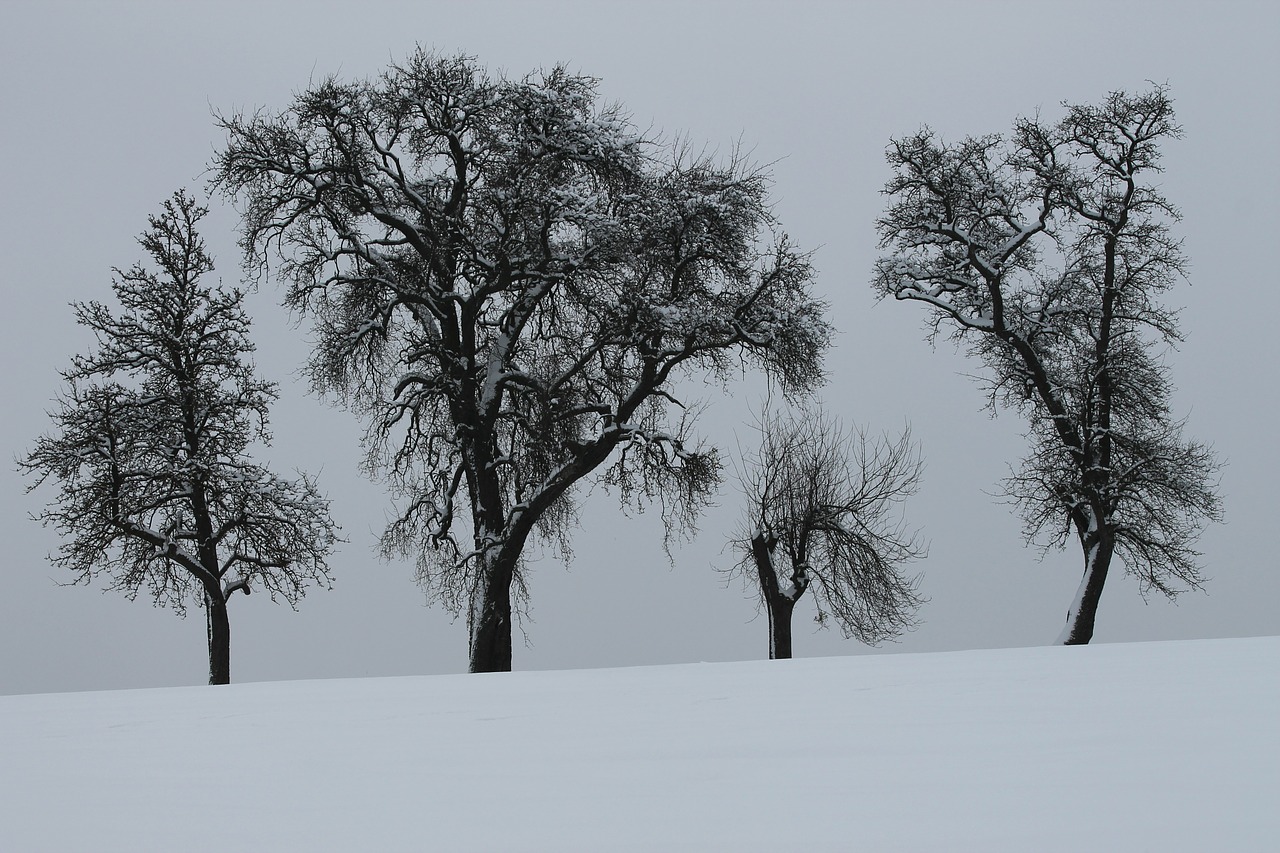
column 509, row 281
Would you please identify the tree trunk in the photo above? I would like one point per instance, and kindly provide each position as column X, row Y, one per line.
column 1098, row 549
column 780, row 608
column 219, row 632
column 491, row 620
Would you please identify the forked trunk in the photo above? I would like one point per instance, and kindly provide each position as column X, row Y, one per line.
column 491, row 620
column 219, row 632
column 776, row 600
column 1078, row 630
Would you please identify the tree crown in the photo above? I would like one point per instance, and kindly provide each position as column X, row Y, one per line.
column 824, row 512
column 509, row 281
column 151, row 439
column 1046, row 254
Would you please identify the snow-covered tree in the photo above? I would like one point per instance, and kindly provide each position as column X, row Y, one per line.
column 823, row 513
column 508, row 281
column 1047, row 255
column 150, row 447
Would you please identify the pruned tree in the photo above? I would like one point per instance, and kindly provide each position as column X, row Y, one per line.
column 1046, row 254
column 150, row 447
column 508, row 283
column 824, row 513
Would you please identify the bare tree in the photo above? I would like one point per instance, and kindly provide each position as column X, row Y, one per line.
column 508, row 281
column 1046, row 254
column 823, row 512
column 157, row 490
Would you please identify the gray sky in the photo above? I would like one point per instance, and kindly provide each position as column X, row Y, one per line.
column 107, row 110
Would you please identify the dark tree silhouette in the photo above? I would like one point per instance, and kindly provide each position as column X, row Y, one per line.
column 1046, row 254
column 508, row 283
column 149, row 450
column 823, row 513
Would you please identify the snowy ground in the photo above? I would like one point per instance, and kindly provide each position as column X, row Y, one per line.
column 1156, row 746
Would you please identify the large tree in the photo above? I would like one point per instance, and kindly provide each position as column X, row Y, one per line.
column 508, row 281
column 1047, row 255
column 150, row 447
column 823, row 512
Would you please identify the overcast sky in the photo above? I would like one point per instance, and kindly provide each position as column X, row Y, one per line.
column 107, row 110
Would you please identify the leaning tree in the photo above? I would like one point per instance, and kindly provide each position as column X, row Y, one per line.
column 508, row 283
column 150, row 448
column 823, row 512
column 1046, row 254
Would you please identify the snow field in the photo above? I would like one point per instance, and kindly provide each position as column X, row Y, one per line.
column 1153, row 746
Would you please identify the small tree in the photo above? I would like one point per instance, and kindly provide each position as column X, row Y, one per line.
column 508, row 282
column 823, row 513
column 1046, row 254
column 150, row 447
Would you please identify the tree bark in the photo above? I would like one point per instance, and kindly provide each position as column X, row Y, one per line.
column 491, row 622
column 219, row 632
column 780, row 608
column 1084, row 609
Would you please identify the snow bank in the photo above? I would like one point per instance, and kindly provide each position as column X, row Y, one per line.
column 1157, row 746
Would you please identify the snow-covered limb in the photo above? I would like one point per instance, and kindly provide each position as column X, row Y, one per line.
column 230, row 585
